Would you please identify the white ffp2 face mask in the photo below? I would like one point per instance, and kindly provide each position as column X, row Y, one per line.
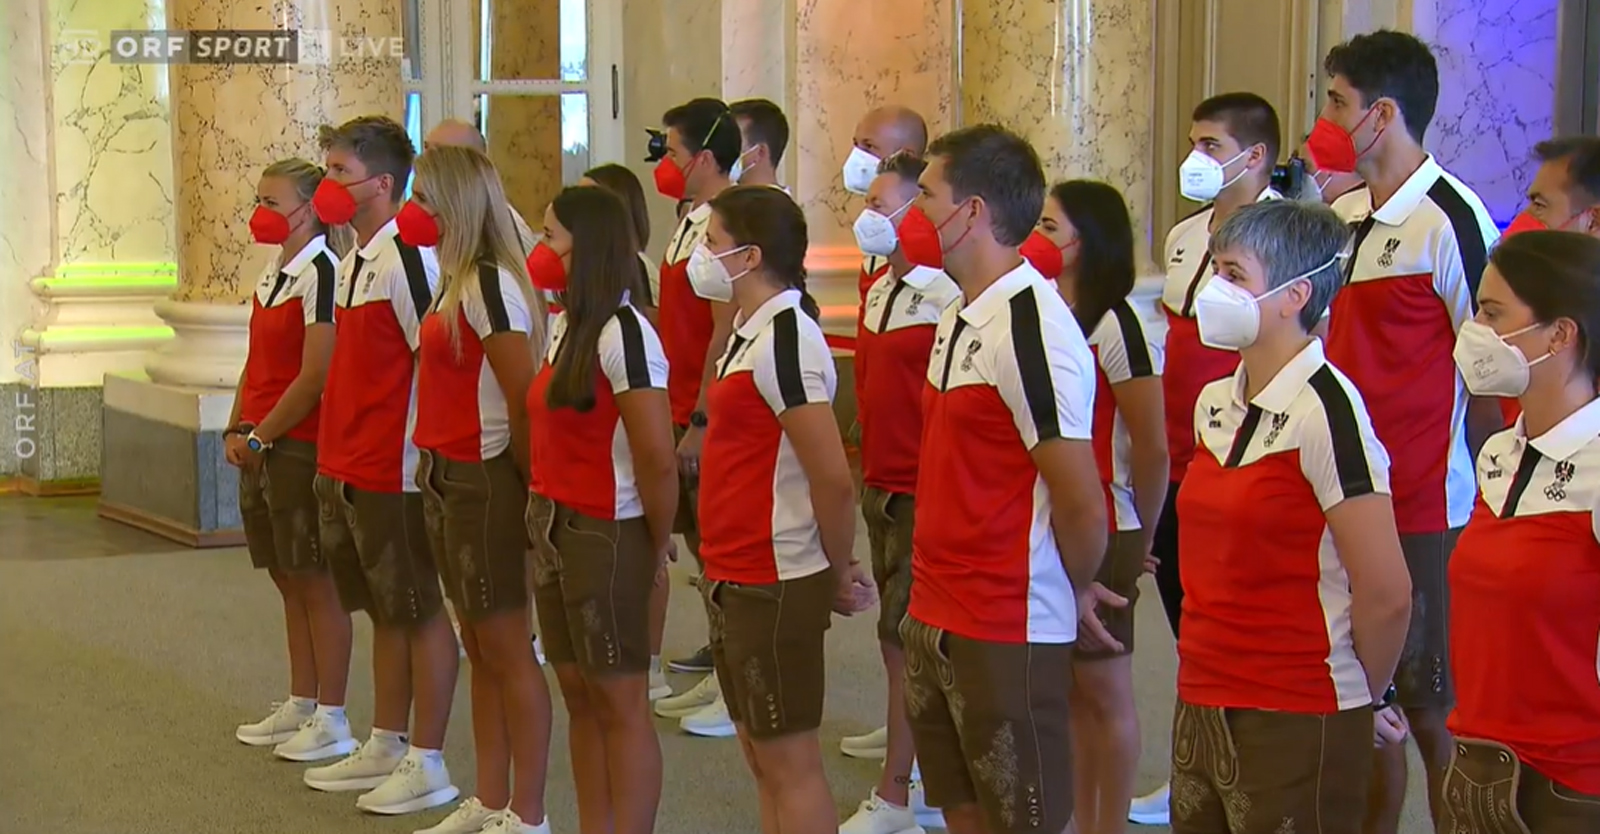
column 860, row 168
column 1490, row 366
column 708, row 275
column 737, row 171
column 875, row 231
column 1229, row 317
column 1201, row 178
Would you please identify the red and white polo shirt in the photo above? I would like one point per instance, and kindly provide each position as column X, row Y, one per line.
column 1266, row 604
column 286, row 302
column 1525, row 601
column 756, row 521
column 1190, row 364
column 1010, row 369
column 1123, row 351
column 582, row 459
column 686, row 323
column 872, row 268
column 461, row 410
column 892, row 349
column 369, row 400
column 1410, row 281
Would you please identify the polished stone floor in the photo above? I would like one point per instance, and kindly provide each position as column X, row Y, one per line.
column 125, row 663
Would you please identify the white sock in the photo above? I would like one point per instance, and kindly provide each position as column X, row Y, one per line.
column 331, row 712
column 655, row 664
column 390, row 737
column 425, row 755
column 303, row 704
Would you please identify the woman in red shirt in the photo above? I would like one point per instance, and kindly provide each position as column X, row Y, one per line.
column 475, row 364
column 605, row 493
column 1086, row 237
column 1525, row 575
column 272, row 438
column 777, row 520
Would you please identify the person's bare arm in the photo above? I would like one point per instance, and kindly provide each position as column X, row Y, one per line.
column 1364, row 534
column 1140, row 403
column 813, row 432
column 305, row 391
column 647, row 418
column 233, row 446
column 721, row 330
column 511, row 359
column 1077, row 505
column 1484, row 418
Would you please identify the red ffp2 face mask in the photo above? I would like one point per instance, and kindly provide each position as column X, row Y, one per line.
column 271, row 227
column 1333, row 149
column 545, row 269
column 416, row 226
column 1048, row 258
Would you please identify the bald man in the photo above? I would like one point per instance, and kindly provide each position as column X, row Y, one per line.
column 882, row 132
column 455, row 133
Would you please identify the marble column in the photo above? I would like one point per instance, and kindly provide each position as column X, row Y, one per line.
column 1497, row 91
column 1074, row 77
column 162, row 464
column 524, row 132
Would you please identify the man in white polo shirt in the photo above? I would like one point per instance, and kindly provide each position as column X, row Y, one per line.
column 1419, row 248
column 763, row 136
column 882, row 133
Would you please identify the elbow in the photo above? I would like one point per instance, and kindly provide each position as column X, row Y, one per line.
column 1388, row 603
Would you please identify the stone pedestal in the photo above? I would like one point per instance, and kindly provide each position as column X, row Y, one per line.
column 163, row 469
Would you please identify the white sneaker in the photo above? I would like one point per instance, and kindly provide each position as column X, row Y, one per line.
column 1152, row 808
column 659, row 688
column 363, row 770
column 876, row 816
column 278, row 727
column 927, row 815
column 469, row 817
column 507, row 822
column 873, row 745
column 712, row 721
column 538, row 650
column 698, row 697
column 419, row 782
column 323, row 736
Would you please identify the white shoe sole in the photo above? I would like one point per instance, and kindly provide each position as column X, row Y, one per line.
column 679, row 712
column 718, row 731
column 411, row 806
column 265, row 741
column 365, row 783
column 1150, row 817
column 660, row 692
column 864, row 752
column 334, row 750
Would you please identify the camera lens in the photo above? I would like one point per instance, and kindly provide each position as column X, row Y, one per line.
column 656, row 148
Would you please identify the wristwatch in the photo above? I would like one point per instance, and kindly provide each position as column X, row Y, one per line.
column 256, row 444
column 1387, row 700
column 697, row 419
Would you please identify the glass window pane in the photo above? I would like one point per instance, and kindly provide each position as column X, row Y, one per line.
column 539, row 143
column 533, row 40
column 414, row 125
column 411, row 30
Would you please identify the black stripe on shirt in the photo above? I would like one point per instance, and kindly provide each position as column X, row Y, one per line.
column 416, row 277
column 1033, row 365
column 1133, row 342
column 1519, row 482
column 1344, row 430
column 356, row 263
column 1469, row 235
column 1194, row 285
column 950, row 353
column 786, row 357
column 494, row 301
column 327, row 284
column 634, row 359
column 1359, row 232
column 277, row 286
column 1242, row 437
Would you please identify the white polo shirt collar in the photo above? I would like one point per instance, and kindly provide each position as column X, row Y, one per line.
column 1567, row 437
column 750, row 328
column 303, row 259
column 1411, row 194
column 1278, row 395
column 379, row 241
column 980, row 310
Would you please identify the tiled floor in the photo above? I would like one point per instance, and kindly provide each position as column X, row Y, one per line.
column 43, row 529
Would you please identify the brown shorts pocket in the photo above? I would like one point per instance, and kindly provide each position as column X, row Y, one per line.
column 482, row 555
column 1481, row 789
column 594, row 589
column 890, row 520
column 1119, row 572
column 769, row 651
column 1422, row 678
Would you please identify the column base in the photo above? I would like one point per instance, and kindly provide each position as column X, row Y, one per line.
column 209, row 346
column 50, row 439
column 162, row 465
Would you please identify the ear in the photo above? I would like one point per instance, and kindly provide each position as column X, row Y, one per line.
column 1258, row 155
column 1388, row 116
column 1297, row 296
column 1564, row 335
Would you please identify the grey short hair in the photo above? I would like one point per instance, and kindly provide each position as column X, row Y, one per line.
column 1290, row 238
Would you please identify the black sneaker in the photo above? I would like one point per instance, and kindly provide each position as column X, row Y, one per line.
column 700, row 661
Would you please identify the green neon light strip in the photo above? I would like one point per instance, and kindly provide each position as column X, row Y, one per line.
column 105, row 334
column 144, row 280
column 94, row 270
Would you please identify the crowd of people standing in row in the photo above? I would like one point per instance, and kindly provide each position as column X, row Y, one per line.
column 1358, row 446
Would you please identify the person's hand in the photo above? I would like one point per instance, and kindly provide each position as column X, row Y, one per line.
column 855, row 592
column 236, row 449
column 1389, row 727
column 1092, row 633
column 668, row 554
column 689, row 453
column 1151, row 562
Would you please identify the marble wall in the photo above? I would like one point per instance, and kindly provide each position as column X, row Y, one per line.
column 113, row 142
column 26, row 221
column 1075, row 77
column 1497, row 71
column 851, row 56
column 231, row 121
column 524, row 132
column 758, row 51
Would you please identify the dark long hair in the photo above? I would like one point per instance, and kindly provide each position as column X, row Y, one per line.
column 605, row 262
column 1557, row 274
column 771, row 221
column 1105, row 247
column 622, row 182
